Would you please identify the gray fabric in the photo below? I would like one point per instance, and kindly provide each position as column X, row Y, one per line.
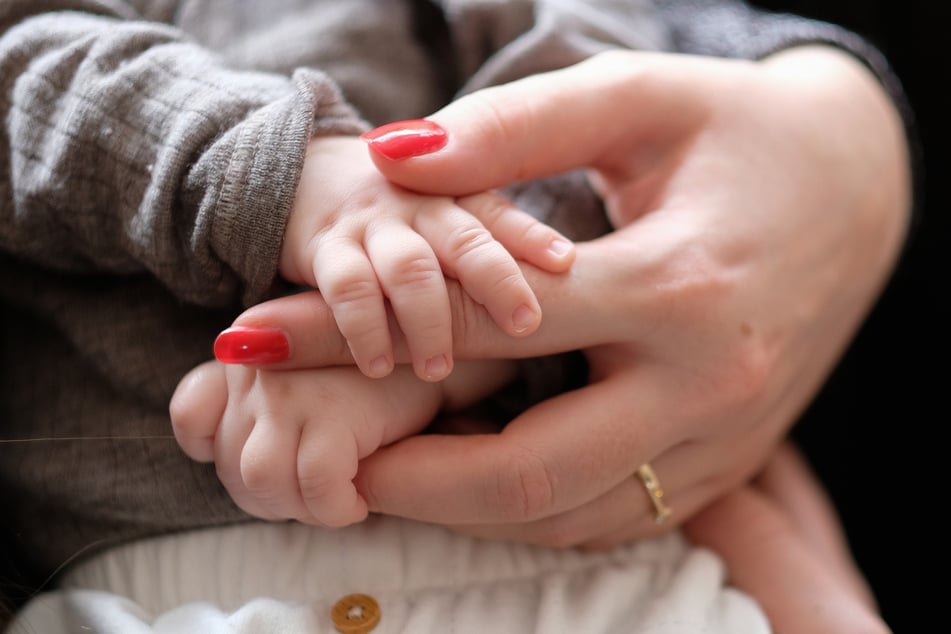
column 149, row 154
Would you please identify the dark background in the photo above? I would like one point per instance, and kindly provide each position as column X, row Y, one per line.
column 875, row 434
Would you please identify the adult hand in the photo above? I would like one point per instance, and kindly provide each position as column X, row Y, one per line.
column 759, row 206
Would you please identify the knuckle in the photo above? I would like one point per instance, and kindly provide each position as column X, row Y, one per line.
column 316, row 483
column 733, row 381
column 259, row 474
column 472, row 325
column 488, row 207
column 469, row 241
column 693, row 282
column 499, row 117
column 737, row 377
column 506, row 282
column 698, row 285
column 350, row 289
column 414, row 271
column 524, row 487
column 748, row 372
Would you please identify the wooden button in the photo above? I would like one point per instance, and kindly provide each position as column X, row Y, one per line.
column 356, row 614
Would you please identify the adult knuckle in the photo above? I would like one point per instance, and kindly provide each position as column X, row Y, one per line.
column 694, row 282
column 737, row 377
column 748, row 371
column 524, row 487
column 499, row 118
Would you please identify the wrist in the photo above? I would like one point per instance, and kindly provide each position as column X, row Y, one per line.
column 859, row 130
column 316, row 200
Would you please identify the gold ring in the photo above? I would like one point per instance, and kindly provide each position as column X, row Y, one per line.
column 655, row 492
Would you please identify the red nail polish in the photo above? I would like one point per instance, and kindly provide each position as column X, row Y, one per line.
column 406, row 139
column 252, row 346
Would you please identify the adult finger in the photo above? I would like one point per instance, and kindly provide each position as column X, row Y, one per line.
column 769, row 557
column 788, row 479
column 298, row 331
column 690, row 475
column 624, row 513
column 560, row 454
column 547, row 124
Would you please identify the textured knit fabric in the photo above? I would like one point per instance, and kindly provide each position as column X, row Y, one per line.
column 149, row 154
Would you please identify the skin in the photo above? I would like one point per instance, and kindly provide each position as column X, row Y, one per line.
column 781, row 542
column 778, row 535
column 361, row 240
column 740, row 291
column 745, row 272
column 287, row 443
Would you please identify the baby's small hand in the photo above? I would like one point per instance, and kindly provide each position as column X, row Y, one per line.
column 376, row 251
column 287, row 444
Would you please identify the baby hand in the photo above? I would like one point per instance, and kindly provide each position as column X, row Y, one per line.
column 287, row 443
column 375, row 250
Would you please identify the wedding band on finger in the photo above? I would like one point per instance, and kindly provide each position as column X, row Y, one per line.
column 655, row 492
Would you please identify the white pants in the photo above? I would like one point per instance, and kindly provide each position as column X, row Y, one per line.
column 285, row 578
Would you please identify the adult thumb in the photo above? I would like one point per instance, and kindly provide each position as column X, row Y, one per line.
column 601, row 113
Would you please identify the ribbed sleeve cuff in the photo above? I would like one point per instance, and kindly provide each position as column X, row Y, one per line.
column 260, row 181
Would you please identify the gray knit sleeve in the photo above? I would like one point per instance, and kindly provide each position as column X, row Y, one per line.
column 127, row 149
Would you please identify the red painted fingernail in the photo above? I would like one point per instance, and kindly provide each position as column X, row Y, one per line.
column 405, row 139
column 252, row 346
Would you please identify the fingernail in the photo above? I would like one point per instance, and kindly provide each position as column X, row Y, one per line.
column 560, row 247
column 252, row 346
column 437, row 367
column 524, row 318
column 405, row 139
column 379, row 367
